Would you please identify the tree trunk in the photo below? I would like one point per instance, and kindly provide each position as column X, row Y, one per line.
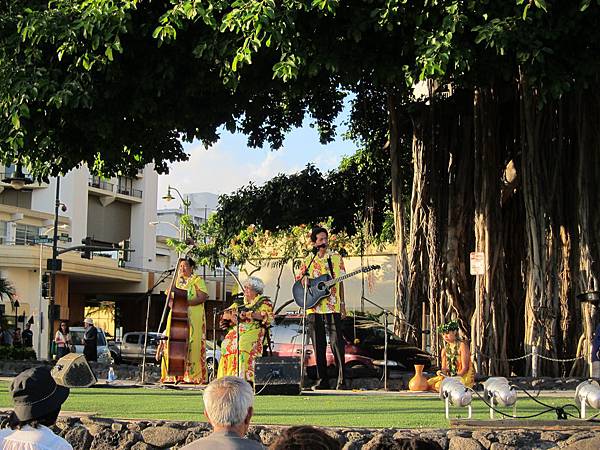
column 402, row 326
column 489, row 328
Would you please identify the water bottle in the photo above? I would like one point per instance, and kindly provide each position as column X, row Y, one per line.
column 111, row 375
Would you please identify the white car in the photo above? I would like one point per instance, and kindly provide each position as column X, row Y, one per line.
column 77, row 340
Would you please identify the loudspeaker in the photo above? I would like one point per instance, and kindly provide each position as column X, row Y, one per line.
column 277, row 375
column 73, row 370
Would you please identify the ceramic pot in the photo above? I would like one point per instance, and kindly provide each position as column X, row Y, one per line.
column 419, row 381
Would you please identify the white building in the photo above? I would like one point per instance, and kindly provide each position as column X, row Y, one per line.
column 109, row 211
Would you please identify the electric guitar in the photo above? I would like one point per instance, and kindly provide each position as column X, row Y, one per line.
column 319, row 287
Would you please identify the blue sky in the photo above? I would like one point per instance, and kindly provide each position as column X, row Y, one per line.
column 230, row 164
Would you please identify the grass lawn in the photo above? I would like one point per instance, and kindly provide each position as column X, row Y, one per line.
column 322, row 410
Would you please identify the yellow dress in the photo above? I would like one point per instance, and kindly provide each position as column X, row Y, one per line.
column 252, row 333
column 195, row 365
column 454, row 360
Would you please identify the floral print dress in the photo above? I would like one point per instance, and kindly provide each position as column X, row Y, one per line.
column 252, row 334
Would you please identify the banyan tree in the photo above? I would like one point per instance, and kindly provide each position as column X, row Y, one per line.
column 488, row 112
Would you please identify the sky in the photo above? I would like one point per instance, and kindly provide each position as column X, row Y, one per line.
column 230, row 164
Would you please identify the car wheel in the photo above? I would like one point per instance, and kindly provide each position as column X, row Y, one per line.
column 210, row 362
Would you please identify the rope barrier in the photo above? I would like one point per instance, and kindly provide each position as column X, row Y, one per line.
column 547, row 358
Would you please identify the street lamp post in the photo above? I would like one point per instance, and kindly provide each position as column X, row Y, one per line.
column 186, row 204
column 16, row 305
column 53, row 267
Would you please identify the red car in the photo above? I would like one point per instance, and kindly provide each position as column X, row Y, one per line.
column 364, row 348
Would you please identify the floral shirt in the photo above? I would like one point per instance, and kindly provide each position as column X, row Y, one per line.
column 319, row 267
column 260, row 304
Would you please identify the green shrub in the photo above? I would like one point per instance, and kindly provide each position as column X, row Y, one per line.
column 16, row 353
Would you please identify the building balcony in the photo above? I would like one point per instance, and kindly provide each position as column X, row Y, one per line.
column 129, row 191
column 110, row 192
column 99, row 183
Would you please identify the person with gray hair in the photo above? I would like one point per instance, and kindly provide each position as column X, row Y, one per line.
column 228, row 407
column 246, row 323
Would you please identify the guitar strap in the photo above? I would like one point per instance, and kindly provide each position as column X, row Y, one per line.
column 330, row 264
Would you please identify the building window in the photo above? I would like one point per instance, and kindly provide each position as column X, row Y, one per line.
column 3, row 236
column 26, row 234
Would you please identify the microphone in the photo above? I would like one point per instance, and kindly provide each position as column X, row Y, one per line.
column 316, row 248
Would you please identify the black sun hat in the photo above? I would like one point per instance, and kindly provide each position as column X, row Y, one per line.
column 35, row 393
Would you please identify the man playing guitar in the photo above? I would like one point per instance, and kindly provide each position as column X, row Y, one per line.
column 328, row 312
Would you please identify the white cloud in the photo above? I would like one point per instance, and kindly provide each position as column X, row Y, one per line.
column 221, row 170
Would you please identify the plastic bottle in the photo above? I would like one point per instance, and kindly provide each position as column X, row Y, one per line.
column 111, row 375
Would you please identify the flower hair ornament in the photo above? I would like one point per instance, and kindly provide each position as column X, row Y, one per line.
column 449, row 326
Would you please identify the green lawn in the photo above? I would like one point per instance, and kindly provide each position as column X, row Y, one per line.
column 323, row 410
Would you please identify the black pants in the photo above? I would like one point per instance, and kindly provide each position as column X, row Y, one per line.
column 316, row 325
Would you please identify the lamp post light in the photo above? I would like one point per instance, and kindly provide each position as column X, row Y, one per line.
column 186, row 204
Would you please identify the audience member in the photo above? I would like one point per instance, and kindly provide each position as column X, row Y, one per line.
column 228, row 408
column 6, row 337
column 37, row 401
column 305, row 437
column 90, row 340
column 17, row 341
column 62, row 339
column 27, row 336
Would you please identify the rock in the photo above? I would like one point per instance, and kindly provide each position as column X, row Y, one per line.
column 142, row 446
column 79, row 438
column 499, row 446
column 579, row 436
column 116, row 427
column 163, row 436
column 356, row 439
column 592, row 443
column 552, row 436
column 381, row 441
column 439, row 437
column 485, row 438
column 404, row 434
column 462, row 443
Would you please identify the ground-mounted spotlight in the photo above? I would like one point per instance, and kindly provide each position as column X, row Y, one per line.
column 497, row 391
column 453, row 391
column 588, row 394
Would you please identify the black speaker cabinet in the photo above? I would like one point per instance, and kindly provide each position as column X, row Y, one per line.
column 277, row 375
column 73, row 370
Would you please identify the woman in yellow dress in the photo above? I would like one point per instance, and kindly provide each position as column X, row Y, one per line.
column 456, row 358
column 195, row 363
column 255, row 315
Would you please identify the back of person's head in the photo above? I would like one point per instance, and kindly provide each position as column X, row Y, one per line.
column 36, row 397
column 305, row 437
column 417, row 444
column 228, row 401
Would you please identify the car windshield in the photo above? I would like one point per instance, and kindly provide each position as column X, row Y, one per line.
column 77, row 338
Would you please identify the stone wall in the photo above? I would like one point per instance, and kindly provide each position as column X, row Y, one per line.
column 104, row 434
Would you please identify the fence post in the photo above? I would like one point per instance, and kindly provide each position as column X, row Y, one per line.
column 534, row 361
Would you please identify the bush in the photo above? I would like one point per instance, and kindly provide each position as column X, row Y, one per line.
column 16, row 353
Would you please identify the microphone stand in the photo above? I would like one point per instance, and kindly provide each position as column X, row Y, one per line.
column 214, row 340
column 148, row 293
column 305, row 277
column 385, row 341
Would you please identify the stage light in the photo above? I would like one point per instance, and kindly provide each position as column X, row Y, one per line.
column 453, row 391
column 588, row 394
column 497, row 391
